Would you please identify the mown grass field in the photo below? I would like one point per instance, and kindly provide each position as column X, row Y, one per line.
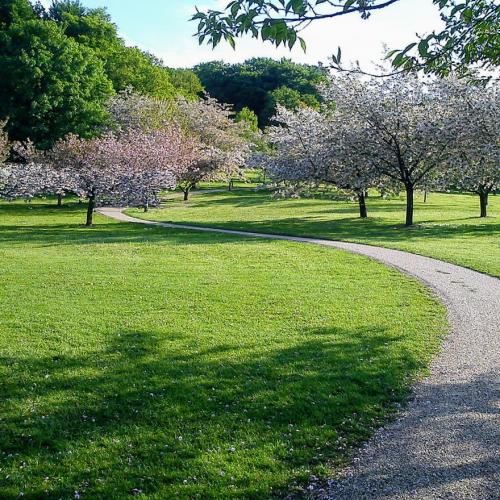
column 168, row 364
column 447, row 226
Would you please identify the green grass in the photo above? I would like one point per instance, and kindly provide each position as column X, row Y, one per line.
column 188, row 364
column 447, row 227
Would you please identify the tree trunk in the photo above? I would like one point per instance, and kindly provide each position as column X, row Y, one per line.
column 362, row 205
column 90, row 210
column 59, row 200
column 230, row 185
column 425, row 195
column 186, row 194
column 483, row 200
column 146, row 207
column 409, row 205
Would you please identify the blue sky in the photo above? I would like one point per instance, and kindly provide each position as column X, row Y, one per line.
column 162, row 27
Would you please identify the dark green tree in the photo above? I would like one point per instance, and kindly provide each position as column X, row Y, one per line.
column 254, row 84
column 13, row 11
column 54, row 85
column 125, row 66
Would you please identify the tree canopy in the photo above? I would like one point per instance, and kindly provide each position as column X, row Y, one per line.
column 261, row 83
column 64, row 62
column 55, row 86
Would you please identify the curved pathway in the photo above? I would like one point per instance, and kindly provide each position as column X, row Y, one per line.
column 446, row 442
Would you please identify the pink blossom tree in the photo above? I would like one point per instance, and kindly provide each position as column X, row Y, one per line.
column 215, row 143
column 91, row 166
column 129, row 168
column 153, row 161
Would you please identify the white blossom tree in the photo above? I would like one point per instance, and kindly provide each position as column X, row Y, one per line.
column 319, row 148
column 224, row 147
column 404, row 127
column 129, row 110
column 474, row 163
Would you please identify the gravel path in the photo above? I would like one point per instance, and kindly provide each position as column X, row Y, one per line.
column 446, row 443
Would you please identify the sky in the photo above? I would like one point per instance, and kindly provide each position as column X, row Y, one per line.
column 163, row 28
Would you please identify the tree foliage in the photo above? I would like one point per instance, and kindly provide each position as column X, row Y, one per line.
column 469, row 42
column 62, row 65
column 125, row 66
column 55, row 86
column 261, row 83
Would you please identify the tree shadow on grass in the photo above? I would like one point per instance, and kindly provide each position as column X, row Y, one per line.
column 150, row 413
column 352, row 228
column 371, row 230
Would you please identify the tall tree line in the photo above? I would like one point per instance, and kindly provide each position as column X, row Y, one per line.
column 59, row 66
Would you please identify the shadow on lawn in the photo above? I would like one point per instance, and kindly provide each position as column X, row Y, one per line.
column 109, row 421
column 352, row 228
column 69, row 229
column 371, row 230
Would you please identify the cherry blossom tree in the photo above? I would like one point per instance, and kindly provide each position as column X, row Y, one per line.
column 405, row 133
column 27, row 177
column 93, row 166
column 129, row 168
column 129, row 110
column 223, row 146
column 474, row 164
column 319, row 148
column 220, row 143
column 154, row 161
column 46, row 175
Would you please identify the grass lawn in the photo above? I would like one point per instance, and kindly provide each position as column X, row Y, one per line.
column 165, row 363
column 446, row 227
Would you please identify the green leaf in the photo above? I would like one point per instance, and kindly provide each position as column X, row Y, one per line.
column 423, row 48
column 348, row 4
